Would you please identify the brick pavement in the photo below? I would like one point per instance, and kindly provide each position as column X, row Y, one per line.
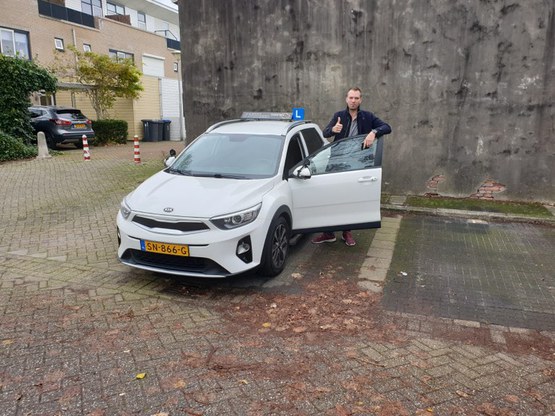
column 77, row 327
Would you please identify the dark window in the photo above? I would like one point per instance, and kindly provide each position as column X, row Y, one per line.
column 312, row 139
column 294, row 154
column 120, row 55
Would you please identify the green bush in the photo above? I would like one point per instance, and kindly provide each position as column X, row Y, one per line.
column 20, row 77
column 12, row 148
column 110, row 131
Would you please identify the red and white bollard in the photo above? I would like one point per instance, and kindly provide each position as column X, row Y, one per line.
column 86, row 153
column 136, row 150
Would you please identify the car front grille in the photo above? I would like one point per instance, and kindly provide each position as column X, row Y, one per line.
column 184, row 226
column 175, row 263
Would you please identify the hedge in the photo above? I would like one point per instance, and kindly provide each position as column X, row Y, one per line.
column 110, row 131
column 12, row 148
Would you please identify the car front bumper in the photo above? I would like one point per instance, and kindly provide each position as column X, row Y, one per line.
column 212, row 252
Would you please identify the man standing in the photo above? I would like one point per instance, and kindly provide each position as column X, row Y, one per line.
column 351, row 122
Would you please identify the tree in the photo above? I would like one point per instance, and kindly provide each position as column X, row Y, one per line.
column 20, row 77
column 106, row 79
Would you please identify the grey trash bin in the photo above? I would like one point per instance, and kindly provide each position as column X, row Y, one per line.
column 166, row 129
column 153, row 130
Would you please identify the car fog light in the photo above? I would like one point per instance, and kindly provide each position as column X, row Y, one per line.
column 244, row 249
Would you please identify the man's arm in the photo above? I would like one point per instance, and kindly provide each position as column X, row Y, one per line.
column 328, row 131
column 379, row 128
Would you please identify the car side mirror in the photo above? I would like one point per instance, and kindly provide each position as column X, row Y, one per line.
column 302, row 172
column 170, row 159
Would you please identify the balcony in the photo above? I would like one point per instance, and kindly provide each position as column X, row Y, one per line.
column 173, row 44
column 63, row 13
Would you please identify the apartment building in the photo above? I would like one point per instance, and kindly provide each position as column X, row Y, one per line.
column 146, row 31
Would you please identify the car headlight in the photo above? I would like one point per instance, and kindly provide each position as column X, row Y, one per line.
column 124, row 209
column 236, row 219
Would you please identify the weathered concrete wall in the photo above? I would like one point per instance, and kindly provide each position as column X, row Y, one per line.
column 468, row 86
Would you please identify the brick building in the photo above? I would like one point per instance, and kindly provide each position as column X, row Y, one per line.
column 146, row 31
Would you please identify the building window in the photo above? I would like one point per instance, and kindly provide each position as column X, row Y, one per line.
column 59, row 44
column 87, row 47
column 14, row 43
column 141, row 18
column 113, row 8
column 120, row 55
column 92, row 7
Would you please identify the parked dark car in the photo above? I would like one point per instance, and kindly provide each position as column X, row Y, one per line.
column 61, row 125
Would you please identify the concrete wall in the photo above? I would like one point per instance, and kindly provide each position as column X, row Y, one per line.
column 468, row 86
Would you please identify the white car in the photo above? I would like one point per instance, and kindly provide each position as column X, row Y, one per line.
column 232, row 199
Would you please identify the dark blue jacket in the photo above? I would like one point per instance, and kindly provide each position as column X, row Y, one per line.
column 366, row 122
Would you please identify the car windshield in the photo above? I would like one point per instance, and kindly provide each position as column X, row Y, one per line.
column 237, row 156
column 71, row 114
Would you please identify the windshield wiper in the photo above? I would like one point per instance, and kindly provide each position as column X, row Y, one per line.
column 219, row 175
column 178, row 171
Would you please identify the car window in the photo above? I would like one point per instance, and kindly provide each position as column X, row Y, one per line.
column 312, row 139
column 294, row 153
column 35, row 113
column 344, row 155
column 71, row 114
column 241, row 156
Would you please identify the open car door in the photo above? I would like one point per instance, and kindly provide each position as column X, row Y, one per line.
column 338, row 187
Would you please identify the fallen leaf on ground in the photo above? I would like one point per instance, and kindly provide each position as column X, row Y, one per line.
column 140, row 376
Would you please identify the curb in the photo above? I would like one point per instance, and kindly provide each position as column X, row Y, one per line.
column 468, row 214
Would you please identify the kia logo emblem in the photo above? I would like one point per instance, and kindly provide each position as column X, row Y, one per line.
column 168, row 209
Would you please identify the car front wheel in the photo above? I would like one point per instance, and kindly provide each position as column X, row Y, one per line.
column 276, row 247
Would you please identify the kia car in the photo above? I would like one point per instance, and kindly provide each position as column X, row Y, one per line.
column 61, row 125
column 232, row 199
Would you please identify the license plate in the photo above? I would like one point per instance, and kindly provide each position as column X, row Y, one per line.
column 79, row 126
column 165, row 248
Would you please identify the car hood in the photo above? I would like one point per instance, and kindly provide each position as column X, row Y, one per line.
column 198, row 197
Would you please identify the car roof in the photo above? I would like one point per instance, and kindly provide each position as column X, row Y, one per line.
column 276, row 127
column 53, row 107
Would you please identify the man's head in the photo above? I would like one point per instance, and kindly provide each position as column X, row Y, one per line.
column 354, row 98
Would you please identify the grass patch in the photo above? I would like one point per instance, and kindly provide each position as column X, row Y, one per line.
column 531, row 209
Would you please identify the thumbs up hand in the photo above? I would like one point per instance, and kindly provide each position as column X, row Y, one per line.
column 338, row 126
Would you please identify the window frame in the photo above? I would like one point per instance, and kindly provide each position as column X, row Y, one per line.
column 141, row 23
column 118, row 9
column 15, row 42
column 92, row 7
column 120, row 55
column 59, row 44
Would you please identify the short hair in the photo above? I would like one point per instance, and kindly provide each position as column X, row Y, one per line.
column 354, row 89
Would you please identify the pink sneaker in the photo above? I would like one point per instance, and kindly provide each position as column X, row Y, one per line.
column 324, row 238
column 348, row 238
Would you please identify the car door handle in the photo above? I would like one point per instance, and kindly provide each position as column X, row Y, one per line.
column 368, row 179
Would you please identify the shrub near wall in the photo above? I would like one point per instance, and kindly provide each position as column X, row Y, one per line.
column 110, row 131
column 12, row 148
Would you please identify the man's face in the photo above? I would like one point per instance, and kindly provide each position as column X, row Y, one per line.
column 353, row 99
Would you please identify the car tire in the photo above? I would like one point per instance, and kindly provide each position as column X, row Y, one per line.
column 50, row 140
column 276, row 247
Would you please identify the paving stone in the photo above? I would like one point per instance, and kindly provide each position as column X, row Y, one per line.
column 76, row 326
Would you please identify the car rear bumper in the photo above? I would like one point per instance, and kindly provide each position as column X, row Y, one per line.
column 72, row 137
